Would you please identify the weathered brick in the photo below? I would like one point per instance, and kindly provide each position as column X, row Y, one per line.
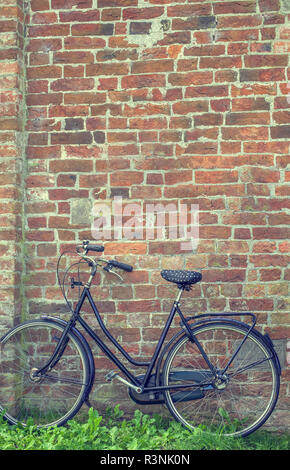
column 245, row 133
column 107, row 69
column 49, row 30
column 138, row 27
column 280, row 132
column 71, row 138
column 140, row 81
column 68, row 4
column 221, row 8
column 72, row 84
column 90, row 29
column 265, row 75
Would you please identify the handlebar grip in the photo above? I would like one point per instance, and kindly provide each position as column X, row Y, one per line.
column 98, row 248
column 125, row 267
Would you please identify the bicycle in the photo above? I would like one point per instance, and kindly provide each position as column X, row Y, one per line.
column 217, row 371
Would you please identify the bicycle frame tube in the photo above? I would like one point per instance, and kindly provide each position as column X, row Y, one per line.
column 194, row 340
column 150, row 365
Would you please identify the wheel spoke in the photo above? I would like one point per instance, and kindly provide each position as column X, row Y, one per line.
column 48, row 400
column 241, row 399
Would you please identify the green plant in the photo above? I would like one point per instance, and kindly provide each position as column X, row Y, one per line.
column 142, row 432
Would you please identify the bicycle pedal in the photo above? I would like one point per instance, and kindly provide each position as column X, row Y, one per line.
column 110, row 375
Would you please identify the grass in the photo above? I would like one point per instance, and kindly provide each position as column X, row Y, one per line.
column 142, row 432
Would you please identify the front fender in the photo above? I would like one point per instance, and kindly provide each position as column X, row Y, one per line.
column 84, row 342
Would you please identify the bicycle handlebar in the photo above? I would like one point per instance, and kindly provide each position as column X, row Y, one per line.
column 98, row 248
column 117, row 264
column 90, row 247
column 86, row 246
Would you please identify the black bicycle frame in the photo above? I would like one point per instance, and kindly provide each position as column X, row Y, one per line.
column 150, row 365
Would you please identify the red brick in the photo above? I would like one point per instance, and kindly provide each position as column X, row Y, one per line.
column 68, row 4
column 270, row 233
column 72, row 84
column 237, row 35
column 282, row 117
column 94, row 29
column 40, row 235
column 150, row 123
column 39, row 181
column 141, row 13
column 83, row 42
column 49, row 71
column 219, row 90
column 49, row 30
column 216, row 177
column 113, row 248
column 73, row 57
column 239, row 21
column 71, row 138
column 139, row 306
column 37, row 5
column 70, row 165
column 247, row 118
column 126, row 178
column 245, row 133
column 43, row 152
column 269, row 5
column 79, row 16
column 270, row 274
column 66, row 180
column 185, row 107
column 269, row 260
column 224, row 275
column 266, row 60
column 138, row 81
column 146, row 109
column 107, row 69
column 264, row 75
column 216, row 62
column 84, row 98
column 188, row 10
column 187, row 79
column 63, row 194
column 221, row 8
column 254, row 89
column 280, row 132
column 44, row 18
column 152, row 66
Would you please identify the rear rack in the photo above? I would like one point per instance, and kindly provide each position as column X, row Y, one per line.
column 220, row 316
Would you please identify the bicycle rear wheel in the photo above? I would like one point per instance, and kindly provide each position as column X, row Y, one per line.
column 52, row 399
column 237, row 402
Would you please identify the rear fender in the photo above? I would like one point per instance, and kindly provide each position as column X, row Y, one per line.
column 269, row 343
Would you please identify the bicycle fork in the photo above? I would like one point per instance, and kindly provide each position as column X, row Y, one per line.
column 55, row 357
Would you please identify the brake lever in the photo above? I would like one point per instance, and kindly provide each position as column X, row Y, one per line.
column 109, row 270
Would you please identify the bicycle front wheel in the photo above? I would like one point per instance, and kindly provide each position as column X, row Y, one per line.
column 55, row 397
column 237, row 402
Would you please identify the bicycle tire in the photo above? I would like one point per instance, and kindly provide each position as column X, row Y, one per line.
column 60, row 393
column 240, row 402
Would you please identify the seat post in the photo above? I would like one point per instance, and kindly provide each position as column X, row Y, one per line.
column 179, row 295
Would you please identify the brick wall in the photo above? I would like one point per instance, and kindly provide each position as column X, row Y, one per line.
column 12, row 155
column 155, row 101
